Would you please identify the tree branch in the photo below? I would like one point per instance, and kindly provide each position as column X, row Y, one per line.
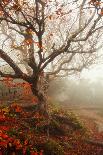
column 14, row 76
column 92, row 30
column 12, row 64
column 60, row 66
column 69, row 39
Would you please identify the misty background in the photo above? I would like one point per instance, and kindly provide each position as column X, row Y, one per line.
column 78, row 92
column 73, row 92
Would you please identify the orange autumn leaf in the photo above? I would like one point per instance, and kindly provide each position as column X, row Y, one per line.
column 4, row 128
column 5, row 110
column 37, row 43
column 34, row 153
column 31, row 41
column 97, row 3
column 4, row 136
column 34, row 100
column 50, row 17
column 16, row 7
column 4, row 144
column 41, row 152
column 2, row 117
column 28, row 41
column 29, row 31
column 25, row 142
column 17, row 143
column 18, row 109
column 101, row 12
column 26, row 85
column 1, row 13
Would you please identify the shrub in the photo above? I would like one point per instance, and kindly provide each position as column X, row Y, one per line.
column 51, row 147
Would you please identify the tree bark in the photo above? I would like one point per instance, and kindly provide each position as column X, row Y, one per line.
column 42, row 107
column 42, row 100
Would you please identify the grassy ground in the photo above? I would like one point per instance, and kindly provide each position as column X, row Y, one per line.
column 24, row 131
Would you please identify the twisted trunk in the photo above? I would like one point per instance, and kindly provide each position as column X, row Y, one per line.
column 42, row 103
column 42, row 100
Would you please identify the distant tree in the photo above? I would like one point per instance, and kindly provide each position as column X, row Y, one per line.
column 49, row 38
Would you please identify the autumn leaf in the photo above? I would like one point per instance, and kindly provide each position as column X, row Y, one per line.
column 3, row 143
column 4, row 128
column 4, row 136
column 25, row 142
column 18, row 109
column 97, row 3
column 50, row 17
column 37, row 43
column 1, row 12
column 2, row 117
column 34, row 153
column 29, row 31
column 5, row 110
column 16, row 7
column 34, row 100
column 28, row 41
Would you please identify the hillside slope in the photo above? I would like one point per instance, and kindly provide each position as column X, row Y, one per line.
column 24, row 132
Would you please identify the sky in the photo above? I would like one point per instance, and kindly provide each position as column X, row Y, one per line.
column 94, row 73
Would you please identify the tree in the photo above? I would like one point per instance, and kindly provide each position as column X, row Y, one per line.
column 48, row 46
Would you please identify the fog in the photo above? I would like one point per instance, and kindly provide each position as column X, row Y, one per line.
column 82, row 92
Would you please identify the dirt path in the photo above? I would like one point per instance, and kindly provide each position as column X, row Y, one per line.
column 92, row 115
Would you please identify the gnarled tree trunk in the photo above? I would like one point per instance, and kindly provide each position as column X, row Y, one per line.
column 42, row 103
column 41, row 96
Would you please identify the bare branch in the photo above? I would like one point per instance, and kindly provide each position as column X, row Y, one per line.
column 6, row 58
column 64, row 47
column 90, row 32
column 14, row 76
column 61, row 64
